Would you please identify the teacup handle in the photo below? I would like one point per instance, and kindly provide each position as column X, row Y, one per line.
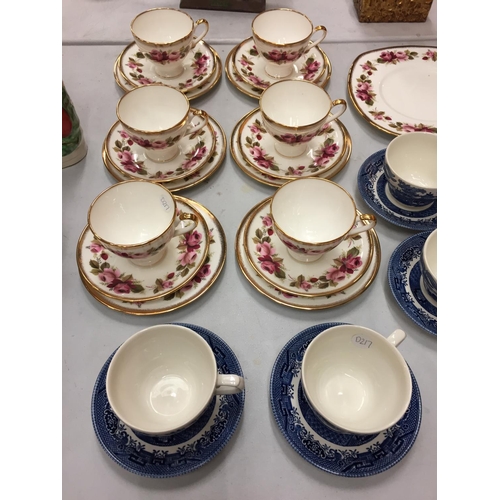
column 369, row 218
column 396, row 337
column 229, row 384
column 320, row 39
column 181, row 228
column 204, row 120
column 342, row 107
column 200, row 37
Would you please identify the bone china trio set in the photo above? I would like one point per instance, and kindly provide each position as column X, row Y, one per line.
column 171, row 396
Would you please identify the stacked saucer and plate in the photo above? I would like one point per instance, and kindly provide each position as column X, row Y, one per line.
column 259, row 64
column 190, row 67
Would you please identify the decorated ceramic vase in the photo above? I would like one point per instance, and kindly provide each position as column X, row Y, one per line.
column 74, row 148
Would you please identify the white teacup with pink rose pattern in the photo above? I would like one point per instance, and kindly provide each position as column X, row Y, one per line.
column 314, row 215
column 137, row 219
column 294, row 111
column 157, row 117
column 166, row 36
column 282, row 36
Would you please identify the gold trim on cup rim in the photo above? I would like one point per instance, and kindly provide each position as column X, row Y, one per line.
column 162, row 44
column 289, row 43
column 300, row 127
column 134, row 245
column 181, row 123
column 311, row 243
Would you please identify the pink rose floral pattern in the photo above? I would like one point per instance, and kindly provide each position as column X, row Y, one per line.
column 365, row 93
column 342, row 268
column 203, row 274
column 322, row 156
column 167, row 56
column 199, row 72
column 309, row 69
column 120, row 283
column 111, row 277
column 130, row 160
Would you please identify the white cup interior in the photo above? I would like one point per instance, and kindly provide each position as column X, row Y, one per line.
column 282, row 26
column 361, row 388
column 161, row 378
column 313, row 210
column 162, row 26
column 152, row 108
column 295, row 103
column 413, row 158
column 429, row 253
column 131, row 213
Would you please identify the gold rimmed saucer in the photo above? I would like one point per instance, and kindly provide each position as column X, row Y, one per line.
column 257, row 147
column 268, row 178
column 335, row 272
column 251, row 90
column 199, row 66
column 118, row 278
column 296, row 301
column 190, row 94
column 192, row 179
column 130, row 159
column 250, row 66
column 198, row 286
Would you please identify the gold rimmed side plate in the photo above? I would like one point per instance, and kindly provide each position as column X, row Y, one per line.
column 210, row 271
column 300, row 278
column 298, row 302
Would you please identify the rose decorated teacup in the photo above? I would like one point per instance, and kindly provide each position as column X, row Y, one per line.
column 428, row 266
column 282, row 36
column 312, row 216
column 166, row 36
column 137, row 219
column 162, row 378
column 410, row 166
column 294, row 111
column 156, row 118
column 356, row 380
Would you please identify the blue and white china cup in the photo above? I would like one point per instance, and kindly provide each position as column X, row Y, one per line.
column 410, row 167
column 162, row 378
column 356, row 380
column 428, row 266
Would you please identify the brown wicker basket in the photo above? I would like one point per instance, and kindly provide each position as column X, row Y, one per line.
column 392, row 11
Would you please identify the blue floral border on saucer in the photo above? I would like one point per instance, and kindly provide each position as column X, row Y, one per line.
column 184, row 451
column 371, row 185
column 404, row 279
column 336, row 453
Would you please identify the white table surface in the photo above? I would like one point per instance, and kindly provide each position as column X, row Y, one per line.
column 108, row 21
column 257, row 462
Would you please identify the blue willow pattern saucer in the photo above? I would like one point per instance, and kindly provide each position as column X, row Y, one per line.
column 336, row 453
column 404, row 279
column 184, row 451
column 372, row 185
